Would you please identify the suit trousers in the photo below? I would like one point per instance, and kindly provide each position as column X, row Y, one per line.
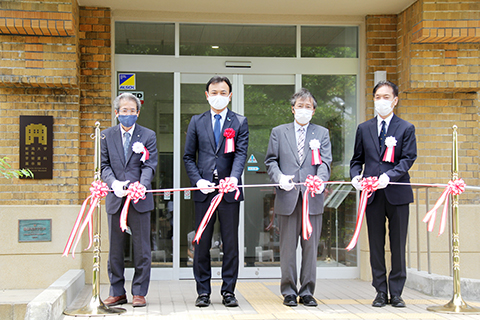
column 290, row 230
column 228, row 216
column 139, row 224
column 377, row 212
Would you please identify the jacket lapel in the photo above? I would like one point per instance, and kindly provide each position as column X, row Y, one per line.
column 136, row 136
column 308, row 136
column 374, row 134
column 118, row 142
column 292, row 140
column 227, row 123
column 392, row 128
column 207, row 123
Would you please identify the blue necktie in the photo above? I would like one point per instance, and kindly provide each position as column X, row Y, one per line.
column 383, row 135
column 126, row 144
column 216, row 128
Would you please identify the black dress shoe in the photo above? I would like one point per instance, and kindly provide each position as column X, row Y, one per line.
column 290, row 300
column 397, row 302
column 229, row 300
column 308, row 301
column 380, row 300
column 203, row 300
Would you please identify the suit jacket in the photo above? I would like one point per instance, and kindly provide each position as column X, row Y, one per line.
column 201, row 157
column 282, row 157
column 368, row 156
column 114, row 166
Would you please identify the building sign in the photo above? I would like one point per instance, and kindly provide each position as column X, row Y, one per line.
column 126, row 81
column 139, row 94
column 36, row 145
column 34, row 230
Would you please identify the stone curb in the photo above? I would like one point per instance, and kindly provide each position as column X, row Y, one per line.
column 50, row 304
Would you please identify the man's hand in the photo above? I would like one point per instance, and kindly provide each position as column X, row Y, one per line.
column 286, row 182
column 232, row 181
column 383, row 181
column 117, row 187
column 205, row 186
column 356, row 182
column 322, row 187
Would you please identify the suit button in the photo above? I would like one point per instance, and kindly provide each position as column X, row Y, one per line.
column 216, row 157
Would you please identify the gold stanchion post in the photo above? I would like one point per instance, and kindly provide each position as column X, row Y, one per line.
column 456, row 305
column 96, row 307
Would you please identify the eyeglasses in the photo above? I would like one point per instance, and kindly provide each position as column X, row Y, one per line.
column 304, row 106
column 126, row 111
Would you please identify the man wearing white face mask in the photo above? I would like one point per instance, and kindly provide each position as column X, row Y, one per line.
column 385, row 147
column 215, row 149
column 295, row 151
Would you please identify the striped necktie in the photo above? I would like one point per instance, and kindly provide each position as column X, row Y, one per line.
column 301, row 142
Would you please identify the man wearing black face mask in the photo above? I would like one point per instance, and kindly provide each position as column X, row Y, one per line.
column 125, row 160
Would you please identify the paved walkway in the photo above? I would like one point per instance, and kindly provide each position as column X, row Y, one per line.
column 261, row 299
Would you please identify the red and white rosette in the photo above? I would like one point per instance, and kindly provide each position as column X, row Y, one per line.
column 98, row 190
column 390, row 142
column 138, row 147
column 135, row 192
column 315, row 146
column 229, row 134
column 224, row 186
column 369, row 185
column 314, row 185
column 453, row 188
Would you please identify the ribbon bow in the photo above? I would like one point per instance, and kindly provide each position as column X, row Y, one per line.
column 314, row 185
column 98, row 190
column 453, row 188
column 369, row 186
column 229, row 134
column 224, row 186
column 135, row 192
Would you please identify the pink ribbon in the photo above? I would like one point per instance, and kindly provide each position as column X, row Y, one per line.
column 453, row 188
column 229, row 134
column 145, row 155
column 224, row 186
column 135, row 192
column 369, row 185
column 313, row 184
column 98, row 190
column 316, row 159
column 389, row 154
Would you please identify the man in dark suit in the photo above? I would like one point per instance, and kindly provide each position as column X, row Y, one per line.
column 121, row 166
column 373, row 140
column 207, row 162
column 289, row 161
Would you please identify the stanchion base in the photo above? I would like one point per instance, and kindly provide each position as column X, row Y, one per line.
column 455, row 306
column 95, row 308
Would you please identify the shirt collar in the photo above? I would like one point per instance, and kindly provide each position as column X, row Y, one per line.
column 223, row 114
column 297, row 126
column 387, row 120
column 129, row 131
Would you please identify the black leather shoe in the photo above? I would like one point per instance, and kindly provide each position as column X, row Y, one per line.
column 229, row 300
column 308, row 301
column 290, row 300
column 203, row 300
column 380, row 300
column 397, row 302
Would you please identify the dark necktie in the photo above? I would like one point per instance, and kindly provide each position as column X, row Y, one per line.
column 126, row 144
column 216, row 128
column 383, row 135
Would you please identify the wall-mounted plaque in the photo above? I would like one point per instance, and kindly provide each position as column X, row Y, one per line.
column 31, row 230
column 36, row 145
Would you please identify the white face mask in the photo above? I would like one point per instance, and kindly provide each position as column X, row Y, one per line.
column 218, row 102
column 303, row 116
column 383, row 107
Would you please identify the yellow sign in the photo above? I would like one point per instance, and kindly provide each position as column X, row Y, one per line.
column 33, row 131
column 126, row 81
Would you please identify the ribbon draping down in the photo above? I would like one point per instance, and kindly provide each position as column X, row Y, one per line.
column 224, row 186
column 369, row 185
column 455, row 187
column 313, row 184
column 98, row 190
column 135, row 192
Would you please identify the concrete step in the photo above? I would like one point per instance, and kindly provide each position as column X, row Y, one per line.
column 13, row 303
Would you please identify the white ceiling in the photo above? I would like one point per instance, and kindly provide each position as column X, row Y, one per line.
column 294, row 7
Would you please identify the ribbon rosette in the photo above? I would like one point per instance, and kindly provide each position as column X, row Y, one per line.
column 224, row 186
column 138, row 147
column 229, row 134
column 313, row 184
column 98, row 190
column 390, row 142
column 453, row 188
column 369, row 185
column 315, row 146
column 135, row 192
